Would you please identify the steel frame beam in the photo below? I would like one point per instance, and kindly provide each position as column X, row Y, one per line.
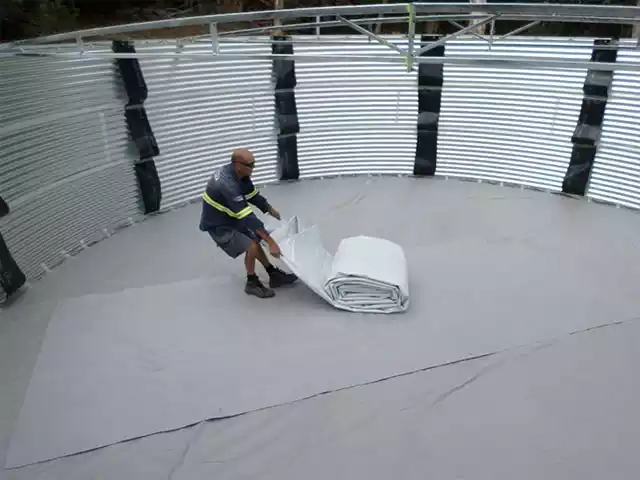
column 326, row 17
column 471, row 32
column 371, row 35
column 419, row 19
column 526, row 12
column 444, row 40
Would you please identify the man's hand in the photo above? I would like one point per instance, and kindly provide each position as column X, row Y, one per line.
column 274, row 213
column 274, row 249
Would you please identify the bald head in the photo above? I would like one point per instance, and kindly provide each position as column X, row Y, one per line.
column 243, row 161
column 242, row 155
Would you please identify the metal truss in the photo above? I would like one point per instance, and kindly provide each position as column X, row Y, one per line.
column 78, row 43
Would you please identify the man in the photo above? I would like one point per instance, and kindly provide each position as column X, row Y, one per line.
column 229, row 219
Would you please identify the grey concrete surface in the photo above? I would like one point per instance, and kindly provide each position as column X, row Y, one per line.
column 482, row 252
column 562, row 410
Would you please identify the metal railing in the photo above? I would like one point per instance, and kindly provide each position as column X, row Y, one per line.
column 409, row 14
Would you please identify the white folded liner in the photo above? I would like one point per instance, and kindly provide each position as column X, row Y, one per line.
column 366, row 274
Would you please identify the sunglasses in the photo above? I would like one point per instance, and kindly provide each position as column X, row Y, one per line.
column 250, row 165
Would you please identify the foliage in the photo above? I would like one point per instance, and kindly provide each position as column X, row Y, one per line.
column 26, row 18
column 30, row 18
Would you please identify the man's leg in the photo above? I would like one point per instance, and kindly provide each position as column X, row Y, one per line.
column 254, row 285
column 234, row 244
column 250, row 259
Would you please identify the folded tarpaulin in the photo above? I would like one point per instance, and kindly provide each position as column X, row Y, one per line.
column 366, row 274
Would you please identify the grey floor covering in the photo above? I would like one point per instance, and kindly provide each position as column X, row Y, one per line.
column 496, row 268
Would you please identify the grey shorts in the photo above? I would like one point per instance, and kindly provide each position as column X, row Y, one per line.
column 233, row 242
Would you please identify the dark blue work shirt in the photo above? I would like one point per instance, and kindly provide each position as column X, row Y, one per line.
column 227, row 202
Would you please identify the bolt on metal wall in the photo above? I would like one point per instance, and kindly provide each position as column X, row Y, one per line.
column 510, row 124
column 66, row 170
column 200, row 111
column 616, row 172
column 355, row 117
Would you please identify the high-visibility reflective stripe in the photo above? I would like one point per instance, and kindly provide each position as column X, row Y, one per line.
column 240, row 215
column 249, row 196
column 243, row 213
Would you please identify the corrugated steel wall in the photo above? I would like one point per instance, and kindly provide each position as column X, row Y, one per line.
column 66, row 170
column 616, row 173
column 200, row 111
column 355, row 117
column 66, row 160
column 511, row 125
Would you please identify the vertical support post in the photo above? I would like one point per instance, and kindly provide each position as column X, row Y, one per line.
column 277, row 5
column 12, row 279
column 411, row 34
column 430, row 82
column 139, row 128
column 286, row 110
column 213, row 31
column 318, row 20
column 378, row 28
column 636, row 29
column 586, row 136
column 80, row 44
column 481, row 28
column 492, row 33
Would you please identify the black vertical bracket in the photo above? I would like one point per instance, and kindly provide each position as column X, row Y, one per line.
column 430, row 81
column 11, row 277
column 284, row 77
column 586, row 136
column 139, row 128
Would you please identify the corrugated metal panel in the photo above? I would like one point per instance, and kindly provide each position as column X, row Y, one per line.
column 510, row 125
column 64, row 148
column 355, row 117
column 65, row 165
column 200, row 111
column 616, row 173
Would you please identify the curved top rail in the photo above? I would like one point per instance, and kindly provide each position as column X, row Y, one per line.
column 219, row 19
column 550, row 12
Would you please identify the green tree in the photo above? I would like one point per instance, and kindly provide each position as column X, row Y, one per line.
column 28, row 18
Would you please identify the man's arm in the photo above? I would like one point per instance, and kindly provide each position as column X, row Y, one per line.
column 257, row 199
column 241, row 210
column 253, row 223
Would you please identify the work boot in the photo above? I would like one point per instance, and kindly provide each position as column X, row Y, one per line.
column 278, row 278
column 255, row 287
